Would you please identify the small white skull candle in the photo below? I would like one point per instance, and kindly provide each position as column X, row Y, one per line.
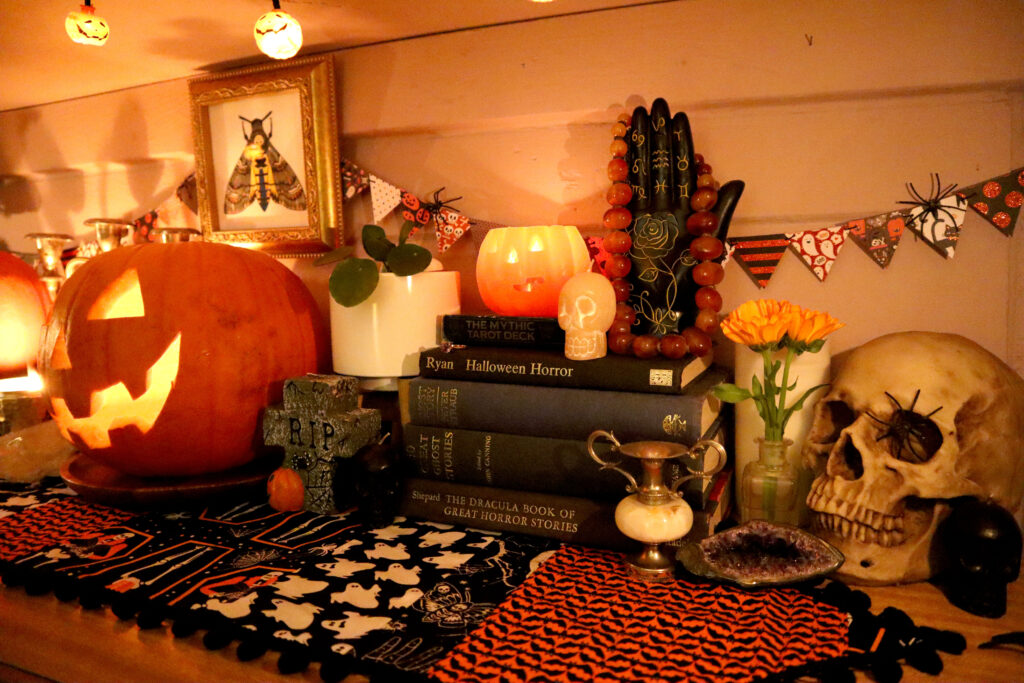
column 586, row 309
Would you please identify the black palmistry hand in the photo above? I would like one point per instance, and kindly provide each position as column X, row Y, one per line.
column 675, row 200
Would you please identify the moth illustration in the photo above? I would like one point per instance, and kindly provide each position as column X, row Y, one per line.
column 261, row 173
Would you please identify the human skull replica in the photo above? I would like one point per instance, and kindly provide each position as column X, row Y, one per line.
column 586, row 309
column 912, row 421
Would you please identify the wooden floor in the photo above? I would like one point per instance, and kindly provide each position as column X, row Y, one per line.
column 42, row 639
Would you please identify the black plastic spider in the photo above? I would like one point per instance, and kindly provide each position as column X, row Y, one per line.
column 932, row 204
column 435, row 206
column 912, row 437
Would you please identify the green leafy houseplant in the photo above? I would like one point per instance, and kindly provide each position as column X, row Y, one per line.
column 354, row 278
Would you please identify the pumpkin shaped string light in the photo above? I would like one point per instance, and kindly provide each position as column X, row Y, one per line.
column 154, row 368
column 277, row 33
column 85, row 27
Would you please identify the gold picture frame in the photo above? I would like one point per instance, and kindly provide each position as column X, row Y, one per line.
column 267, row 165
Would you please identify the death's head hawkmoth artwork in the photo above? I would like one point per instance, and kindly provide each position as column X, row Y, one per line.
column 261, row 173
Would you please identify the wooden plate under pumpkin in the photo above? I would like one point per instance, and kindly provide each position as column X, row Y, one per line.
column 98, row 483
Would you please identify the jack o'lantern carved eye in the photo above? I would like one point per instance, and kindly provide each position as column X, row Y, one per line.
column 121, row 299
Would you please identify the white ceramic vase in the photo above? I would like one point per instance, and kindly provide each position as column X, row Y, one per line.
column 808, row 370
column 381, row 338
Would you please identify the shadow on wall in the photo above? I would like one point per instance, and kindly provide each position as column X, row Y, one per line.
column 587, row 153
column 128, row 138
column 33, row 162
column 17, row 195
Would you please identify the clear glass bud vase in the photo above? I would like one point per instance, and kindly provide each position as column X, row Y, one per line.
column 769, row 485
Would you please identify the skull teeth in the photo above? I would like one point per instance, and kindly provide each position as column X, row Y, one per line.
column 860, row 532
column 853, row 521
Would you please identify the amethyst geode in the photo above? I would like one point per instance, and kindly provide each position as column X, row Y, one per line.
column 761, row 553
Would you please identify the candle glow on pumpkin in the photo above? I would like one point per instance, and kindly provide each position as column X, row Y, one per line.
column 520, row 271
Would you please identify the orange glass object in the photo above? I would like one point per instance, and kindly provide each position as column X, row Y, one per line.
column 520, row 271
column 24, row 305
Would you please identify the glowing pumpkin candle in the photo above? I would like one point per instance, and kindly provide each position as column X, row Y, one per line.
column 520, row 271
column 24, row 304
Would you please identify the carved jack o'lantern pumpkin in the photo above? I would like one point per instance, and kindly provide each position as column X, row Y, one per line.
column 158, row 357
column 24, row 304
column 520, row 271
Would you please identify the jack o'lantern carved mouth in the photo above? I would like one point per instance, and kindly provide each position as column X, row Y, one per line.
column 530, row 284
column 114, row 408
column 135, row 402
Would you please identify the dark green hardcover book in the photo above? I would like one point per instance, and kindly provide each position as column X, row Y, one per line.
column 550, row 367
column 564, row 413
column 531, row 463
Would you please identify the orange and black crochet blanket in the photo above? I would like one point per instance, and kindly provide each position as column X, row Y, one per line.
column 421, row 601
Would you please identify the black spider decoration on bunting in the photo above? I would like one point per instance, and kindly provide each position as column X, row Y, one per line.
column 418, row 214
column 435, row 206
column 912, row 437
column 932, row 204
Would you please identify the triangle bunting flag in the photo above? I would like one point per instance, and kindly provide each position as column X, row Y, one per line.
column 819, row 249
column 384, row 196
column 939, row 225
column 998, row 200
column 759, row 256
column 451, row 225
column 354, row 180
column 878, row 236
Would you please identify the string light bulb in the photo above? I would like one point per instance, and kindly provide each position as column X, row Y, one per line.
column 277, row 33
column 85, row 28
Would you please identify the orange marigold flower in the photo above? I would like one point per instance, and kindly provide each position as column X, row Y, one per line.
column 806, row 326
column 758, row 323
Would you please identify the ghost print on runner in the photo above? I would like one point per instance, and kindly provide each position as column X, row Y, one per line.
column 401, row 595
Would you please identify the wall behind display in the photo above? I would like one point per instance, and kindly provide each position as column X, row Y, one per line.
column 824, row 109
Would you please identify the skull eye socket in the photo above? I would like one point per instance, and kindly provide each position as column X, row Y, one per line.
column 912, row 437
column 836, row 416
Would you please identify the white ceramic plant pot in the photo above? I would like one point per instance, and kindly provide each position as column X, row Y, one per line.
column 382, row 337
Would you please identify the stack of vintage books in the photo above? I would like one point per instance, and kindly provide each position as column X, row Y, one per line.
column 495, row 430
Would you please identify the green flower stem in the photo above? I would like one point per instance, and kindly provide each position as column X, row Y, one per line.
column 769, row 414
column 784, row 416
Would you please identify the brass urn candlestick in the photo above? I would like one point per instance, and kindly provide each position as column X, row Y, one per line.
column 172, row 235
column 51, row 269
column 655, row 513
column 109, row 232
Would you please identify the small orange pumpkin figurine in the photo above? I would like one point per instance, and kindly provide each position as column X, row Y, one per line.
column 285, row 490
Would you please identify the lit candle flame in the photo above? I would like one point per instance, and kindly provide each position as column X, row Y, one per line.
column 29, row 383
